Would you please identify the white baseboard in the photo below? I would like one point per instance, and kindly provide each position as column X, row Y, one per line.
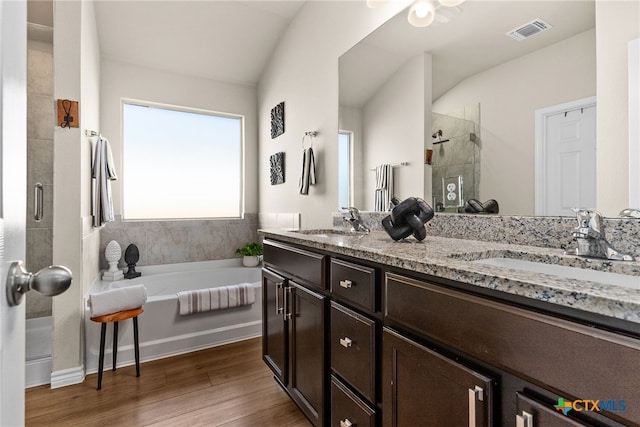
column 173, row 346
column 37, row 372
column 67, row 377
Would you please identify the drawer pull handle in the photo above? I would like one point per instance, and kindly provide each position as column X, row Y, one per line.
column 524, row 420
column 346, row 423
column 475, row 394
column 346, row 284
column 287, row 302
column 279, row 309
column 346, row 342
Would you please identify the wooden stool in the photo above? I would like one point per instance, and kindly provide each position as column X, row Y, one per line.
column 116, row 317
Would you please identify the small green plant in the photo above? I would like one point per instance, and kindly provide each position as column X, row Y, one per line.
column 250, row 249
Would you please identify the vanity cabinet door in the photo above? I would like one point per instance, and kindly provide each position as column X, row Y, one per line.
column 424, row 388
column 307, row 356
column 274, row 332
column 533, row 413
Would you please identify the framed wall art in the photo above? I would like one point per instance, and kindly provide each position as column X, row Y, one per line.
column 277, row 120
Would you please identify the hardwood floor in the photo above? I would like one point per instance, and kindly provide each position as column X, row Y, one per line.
column 223, row 386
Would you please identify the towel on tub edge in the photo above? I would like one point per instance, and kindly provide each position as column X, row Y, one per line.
column 200, row 300
column 117, row 299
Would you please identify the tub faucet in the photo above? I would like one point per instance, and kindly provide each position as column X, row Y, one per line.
column 352, row 216
column 590, row 238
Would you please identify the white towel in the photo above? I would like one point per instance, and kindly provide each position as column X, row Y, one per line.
column 102, row 172
column 384, row 187
column 117, row 299
column 201, row 300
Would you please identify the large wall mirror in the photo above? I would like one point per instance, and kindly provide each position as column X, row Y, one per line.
column 400, row 85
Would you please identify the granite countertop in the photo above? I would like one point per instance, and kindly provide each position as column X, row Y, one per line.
column 452, row 258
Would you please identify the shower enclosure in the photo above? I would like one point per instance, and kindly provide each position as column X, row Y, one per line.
column 456, row 157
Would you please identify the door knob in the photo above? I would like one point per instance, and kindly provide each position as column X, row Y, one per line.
column 50, row 281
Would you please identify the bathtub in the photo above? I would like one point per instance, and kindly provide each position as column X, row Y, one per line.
column 163, row 332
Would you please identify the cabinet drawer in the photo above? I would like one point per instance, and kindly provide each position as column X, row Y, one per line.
column 353, row 283
column 347, row 409
column 306, row 267
column 582, row 361
column 532, row 412
column 352, row 349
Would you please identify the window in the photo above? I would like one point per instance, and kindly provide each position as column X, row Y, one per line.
column 344, row 169
column 180, row 163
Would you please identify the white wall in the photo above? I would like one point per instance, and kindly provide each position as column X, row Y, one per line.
column 508, row 95
column 617, row 23
column 393, row 125
column 303, row 73
column 122, row 80
column 75, row 243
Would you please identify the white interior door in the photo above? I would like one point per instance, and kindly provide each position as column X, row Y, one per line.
column 13, row 167
column 566, row 158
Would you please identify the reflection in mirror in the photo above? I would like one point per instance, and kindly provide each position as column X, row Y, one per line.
column 344, row 169
column 395, row 78
column 456, row 156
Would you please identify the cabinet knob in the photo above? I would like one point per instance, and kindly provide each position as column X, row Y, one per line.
column 524, row 420
column 346, row 283
column 346, row 423
column 346, row 342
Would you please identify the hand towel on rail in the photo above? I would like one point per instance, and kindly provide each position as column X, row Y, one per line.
column 200, row 300
column 117, row 299
column 102, row 173
column 384, row 187
column 308, row 176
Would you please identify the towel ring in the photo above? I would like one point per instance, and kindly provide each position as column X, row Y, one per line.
column 311, row 135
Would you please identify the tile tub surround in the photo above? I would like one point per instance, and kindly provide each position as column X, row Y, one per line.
column 173, row 242
column 547, row 232
column 452, row 258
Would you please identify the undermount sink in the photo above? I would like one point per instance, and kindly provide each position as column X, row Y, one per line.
column 562, row 271
column 331, row 232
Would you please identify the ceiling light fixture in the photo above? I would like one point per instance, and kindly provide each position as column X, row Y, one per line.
column 423, row 12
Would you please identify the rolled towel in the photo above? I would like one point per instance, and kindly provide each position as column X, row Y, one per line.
column 201, row 300
column 117, row 299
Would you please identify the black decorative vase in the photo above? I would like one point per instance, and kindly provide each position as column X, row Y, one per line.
column 131, row 257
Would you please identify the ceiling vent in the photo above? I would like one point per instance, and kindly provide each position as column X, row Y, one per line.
column 529, row 29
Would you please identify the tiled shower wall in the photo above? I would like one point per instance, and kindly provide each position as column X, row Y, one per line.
column 40, row 125
column 170, row 242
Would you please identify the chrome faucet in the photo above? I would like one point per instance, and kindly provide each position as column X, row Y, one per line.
column 590, row 237
column 352, row 216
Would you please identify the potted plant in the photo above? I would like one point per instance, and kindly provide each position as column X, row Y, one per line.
column 251, row 254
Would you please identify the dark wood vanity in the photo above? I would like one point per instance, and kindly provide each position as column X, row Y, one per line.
column 355, row 342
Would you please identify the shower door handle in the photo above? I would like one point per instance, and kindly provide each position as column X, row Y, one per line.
column 38, row 202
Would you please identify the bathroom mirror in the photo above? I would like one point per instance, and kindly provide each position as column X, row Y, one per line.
column 470, row 60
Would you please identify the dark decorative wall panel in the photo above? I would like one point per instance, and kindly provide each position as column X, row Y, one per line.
column 277, row 120
column 277, row 168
